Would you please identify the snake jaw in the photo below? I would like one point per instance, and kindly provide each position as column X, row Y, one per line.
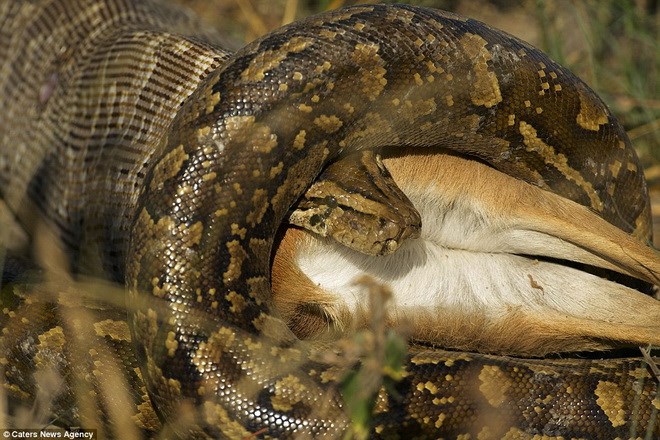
column 246, row 136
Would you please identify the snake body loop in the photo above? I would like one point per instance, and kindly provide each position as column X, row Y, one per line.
column 140, row 139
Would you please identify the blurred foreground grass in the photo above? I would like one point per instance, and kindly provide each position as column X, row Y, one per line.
column 612, row 45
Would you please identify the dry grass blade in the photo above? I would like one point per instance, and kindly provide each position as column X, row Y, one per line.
column 290, row 9
column 644, row 130
column 652, row 362
column 255, row 23
column 83, row 302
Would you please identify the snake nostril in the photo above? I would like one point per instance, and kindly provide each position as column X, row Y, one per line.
column 165, row 163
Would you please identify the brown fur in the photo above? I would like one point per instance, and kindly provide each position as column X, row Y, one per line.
column 531, row 208
column 314, row 313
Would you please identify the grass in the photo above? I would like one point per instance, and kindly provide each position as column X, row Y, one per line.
column 611, row 44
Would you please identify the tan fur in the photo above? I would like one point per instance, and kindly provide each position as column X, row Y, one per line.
column 294, row 290
column 596, row 242
column 564, row 230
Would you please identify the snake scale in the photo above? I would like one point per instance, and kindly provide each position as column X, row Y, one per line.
column 165, row 163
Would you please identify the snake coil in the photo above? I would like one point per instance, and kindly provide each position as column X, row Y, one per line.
column 166, row 163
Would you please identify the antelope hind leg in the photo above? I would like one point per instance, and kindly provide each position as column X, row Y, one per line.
column 473, row 281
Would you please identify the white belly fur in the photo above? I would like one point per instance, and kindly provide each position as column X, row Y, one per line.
column 464, row 283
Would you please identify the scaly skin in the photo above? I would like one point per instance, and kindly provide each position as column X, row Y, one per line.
column 176, row 163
